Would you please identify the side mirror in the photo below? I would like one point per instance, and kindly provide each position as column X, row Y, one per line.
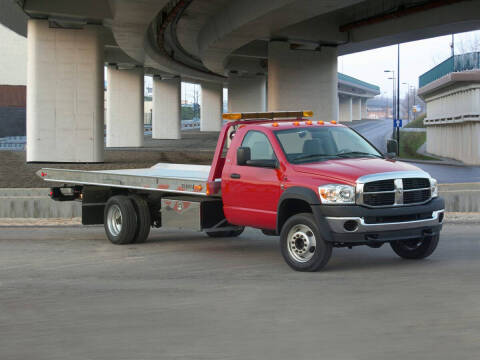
column 392, row 148
column 243, row 155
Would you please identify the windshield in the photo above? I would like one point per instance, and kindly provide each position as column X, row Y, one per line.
column 304, row 145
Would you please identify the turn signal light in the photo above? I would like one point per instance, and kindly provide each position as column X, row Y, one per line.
column 275, row 124
column 197, row 188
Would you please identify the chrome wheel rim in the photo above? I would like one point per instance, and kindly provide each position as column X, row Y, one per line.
column 114, row 220
column 301, row 243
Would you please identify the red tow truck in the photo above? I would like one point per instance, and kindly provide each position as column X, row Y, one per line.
column 316, row 184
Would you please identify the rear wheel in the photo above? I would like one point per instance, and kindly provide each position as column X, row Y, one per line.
column 302, row 245
column 120, row 220
column 228, row 233
column 143, row 218
column 415, row 248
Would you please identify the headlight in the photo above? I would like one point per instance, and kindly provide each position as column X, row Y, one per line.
column 337, row 194
column 433, row 187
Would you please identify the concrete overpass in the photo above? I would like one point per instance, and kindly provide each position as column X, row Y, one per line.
column 451, row 91
column 290, row 44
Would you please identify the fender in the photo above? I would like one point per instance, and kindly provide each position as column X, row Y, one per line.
column 300, row 193
column 310, row 197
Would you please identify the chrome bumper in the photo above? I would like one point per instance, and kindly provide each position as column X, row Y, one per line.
column 337, row 224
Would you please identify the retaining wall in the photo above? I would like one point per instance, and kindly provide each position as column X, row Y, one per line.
column 35, row 203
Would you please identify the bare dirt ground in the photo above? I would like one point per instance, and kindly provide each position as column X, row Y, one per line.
column 193, row 148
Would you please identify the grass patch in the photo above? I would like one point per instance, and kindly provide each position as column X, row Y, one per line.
column 417, row 123
column 410, row 142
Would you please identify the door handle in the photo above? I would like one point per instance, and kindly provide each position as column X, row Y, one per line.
column 235, row 176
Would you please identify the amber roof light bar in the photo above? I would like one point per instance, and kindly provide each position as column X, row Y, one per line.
column 268, row 115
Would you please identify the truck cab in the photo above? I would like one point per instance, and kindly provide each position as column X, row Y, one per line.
column 321, row 185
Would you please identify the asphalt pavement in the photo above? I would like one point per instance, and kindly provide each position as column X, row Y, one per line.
column 67, row 293
column 377, row 132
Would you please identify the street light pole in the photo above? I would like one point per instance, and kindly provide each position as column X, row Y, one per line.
column 398, row 96
column 408, row 100
column 393, row 92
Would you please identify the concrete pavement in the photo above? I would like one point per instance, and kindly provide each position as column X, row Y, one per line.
column 66, row 293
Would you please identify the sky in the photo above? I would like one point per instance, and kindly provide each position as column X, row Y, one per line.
column 416, row 58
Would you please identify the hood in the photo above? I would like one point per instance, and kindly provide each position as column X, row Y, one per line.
column 349, row 170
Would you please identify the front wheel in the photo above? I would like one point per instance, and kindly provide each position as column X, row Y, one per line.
column 302, row 245
column 415, row 248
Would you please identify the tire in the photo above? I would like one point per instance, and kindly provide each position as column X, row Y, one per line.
column 416, row 248
column 228, row 233
column 302, row 245
column 144, row 222
column 120, row 220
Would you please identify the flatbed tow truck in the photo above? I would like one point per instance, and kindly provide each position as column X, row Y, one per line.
column 316, row 184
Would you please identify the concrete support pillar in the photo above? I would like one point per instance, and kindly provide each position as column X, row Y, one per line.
column 65, row 94
column 364, row 108
column 247, row 94
column 345, row 109
column 211, row 107
column 356, row 108
column 303, row 80
column 125, row 101
column 166, row 114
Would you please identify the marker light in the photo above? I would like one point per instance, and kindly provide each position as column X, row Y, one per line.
column 296, row 123
column 197, row 188
column 333, row 122
column 434, row 187
column 321, row 122
column 309, row 122
column 275, row 124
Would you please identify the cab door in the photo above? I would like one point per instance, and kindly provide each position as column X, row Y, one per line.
column 251, row 193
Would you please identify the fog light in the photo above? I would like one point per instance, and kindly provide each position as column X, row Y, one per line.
column 350, row 225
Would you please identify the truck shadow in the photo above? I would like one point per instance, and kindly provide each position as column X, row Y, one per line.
column 261, row 249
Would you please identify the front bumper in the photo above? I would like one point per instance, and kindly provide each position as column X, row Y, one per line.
column 358, row 224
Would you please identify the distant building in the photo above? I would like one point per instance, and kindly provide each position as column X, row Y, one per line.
column 451, row 91
column 13, row 80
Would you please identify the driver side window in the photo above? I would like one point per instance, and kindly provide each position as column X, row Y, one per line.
column 260, row 147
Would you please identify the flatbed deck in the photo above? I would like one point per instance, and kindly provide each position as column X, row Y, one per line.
column 170, row 178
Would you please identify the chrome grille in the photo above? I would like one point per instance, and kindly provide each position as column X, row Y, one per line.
column 381, row 185
column 395, row 189
column 415, row 183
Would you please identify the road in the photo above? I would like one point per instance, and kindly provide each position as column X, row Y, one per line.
column 66, row 293
column 377, row 132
